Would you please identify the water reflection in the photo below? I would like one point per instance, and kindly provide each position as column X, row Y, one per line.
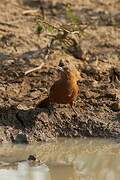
column 65, row 159
column 24, row 172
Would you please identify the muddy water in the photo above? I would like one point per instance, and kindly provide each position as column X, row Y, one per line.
column 64, row 159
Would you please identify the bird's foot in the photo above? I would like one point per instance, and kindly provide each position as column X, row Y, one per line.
column 76, row 113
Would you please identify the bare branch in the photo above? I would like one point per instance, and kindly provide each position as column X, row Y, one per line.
column 35, row 69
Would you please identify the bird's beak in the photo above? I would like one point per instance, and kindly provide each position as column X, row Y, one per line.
column 60, row 68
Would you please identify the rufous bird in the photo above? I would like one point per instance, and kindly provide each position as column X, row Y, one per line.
column 65, row 89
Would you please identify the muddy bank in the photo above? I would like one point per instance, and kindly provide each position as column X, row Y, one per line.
column 36, row 125
column 97, row 60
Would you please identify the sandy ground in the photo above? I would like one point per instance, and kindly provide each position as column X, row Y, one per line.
column 21, row 49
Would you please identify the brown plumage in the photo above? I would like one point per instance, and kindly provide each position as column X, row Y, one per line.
column 64, row 90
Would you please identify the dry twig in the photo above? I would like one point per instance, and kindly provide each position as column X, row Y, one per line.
column 34, row 69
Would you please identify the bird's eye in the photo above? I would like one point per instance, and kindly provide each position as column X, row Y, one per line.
column 61, row 63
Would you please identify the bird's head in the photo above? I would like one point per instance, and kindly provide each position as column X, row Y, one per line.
column 68, row 70
column 67, row 73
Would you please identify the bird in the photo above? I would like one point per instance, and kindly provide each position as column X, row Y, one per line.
column 65, row 89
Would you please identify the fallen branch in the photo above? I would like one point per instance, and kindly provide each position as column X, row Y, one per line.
column 3, row 30
column 34, row 69
column 8, row 24
column 30, row 12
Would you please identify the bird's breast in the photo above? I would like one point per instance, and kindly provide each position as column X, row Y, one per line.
column 63, row 92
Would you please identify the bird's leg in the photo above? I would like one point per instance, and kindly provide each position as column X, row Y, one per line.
column 71, row 105
column 74, row 110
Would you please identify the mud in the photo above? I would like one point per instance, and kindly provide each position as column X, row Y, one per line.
column 22, row 48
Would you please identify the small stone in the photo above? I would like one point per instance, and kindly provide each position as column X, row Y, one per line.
column 1, row 140
column 21, row 138
column 31, row 158
column 115, row 106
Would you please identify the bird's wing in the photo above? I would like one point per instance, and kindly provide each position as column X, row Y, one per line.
column 71, row 91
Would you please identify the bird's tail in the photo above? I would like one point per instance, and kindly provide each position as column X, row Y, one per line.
column 45, row 103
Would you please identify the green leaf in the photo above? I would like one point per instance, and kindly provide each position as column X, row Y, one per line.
column 69, row 12
column 50, row 29
column 39, row 29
